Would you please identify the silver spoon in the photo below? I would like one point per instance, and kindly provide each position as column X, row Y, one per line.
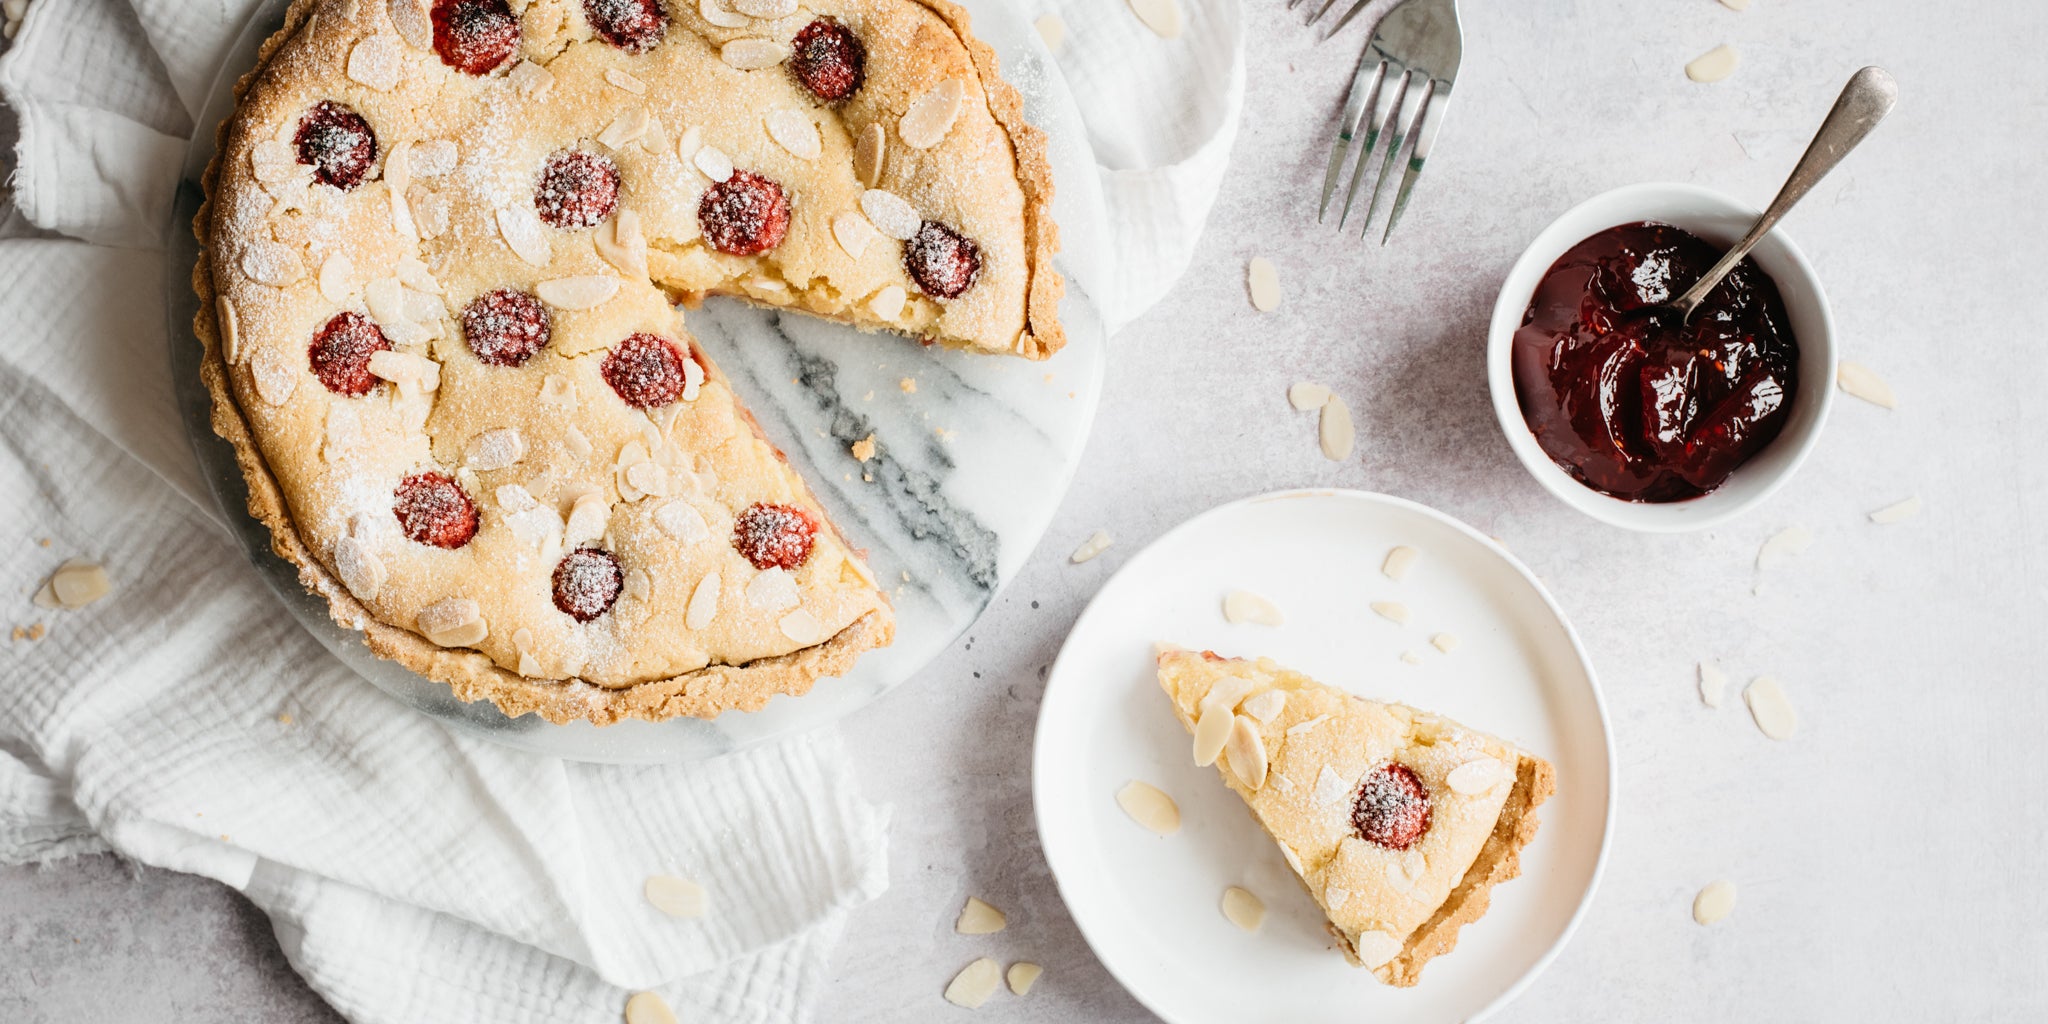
column 1864, row 102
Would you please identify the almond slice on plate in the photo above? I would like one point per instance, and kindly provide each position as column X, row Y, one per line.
column 978, row 918
column 1444, row 642
column 1243, row 909
column 1897, row 512
column 974, row 984
column 1161, row 16
column 1771, row 708
column 1150, row 807
column 1392, row 611
column 1243, row 606
column 1714, row 902
column 1782, row 545
column 676, row 897
column 1398, row 562
column 1713, row 684
column 1713, row 65
column 1022, row 975
column 1862, row 382
column 1334, row 430
column 1053, row 30
column 1096, row 544
column 1307, row 396
column 1263, row 280
column 648, row 1008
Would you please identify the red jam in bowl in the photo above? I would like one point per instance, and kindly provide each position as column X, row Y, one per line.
column 1628, row 399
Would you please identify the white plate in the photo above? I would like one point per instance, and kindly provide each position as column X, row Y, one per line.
column 1149, row 905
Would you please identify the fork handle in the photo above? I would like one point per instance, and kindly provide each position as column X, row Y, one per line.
column 1864, row 102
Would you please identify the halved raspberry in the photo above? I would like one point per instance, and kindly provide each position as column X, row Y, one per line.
column 577, row 189
column 774, row 536
column 942, row 261
column 646, row 371
column 433, row 510
column 631, row 25
column 475, row 36
column 505, row 327
column 828, row 59
column 341, row 352
column 1392, row 807
column 744, row 214
column 587, row 581
column 338, row 143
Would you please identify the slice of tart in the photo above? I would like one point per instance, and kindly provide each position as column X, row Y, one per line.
column 1398, row 822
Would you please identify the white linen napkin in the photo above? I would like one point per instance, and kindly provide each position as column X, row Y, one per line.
column 186, row 721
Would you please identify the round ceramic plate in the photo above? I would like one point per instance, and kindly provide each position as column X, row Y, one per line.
column 1150, row 905
column 974, row 462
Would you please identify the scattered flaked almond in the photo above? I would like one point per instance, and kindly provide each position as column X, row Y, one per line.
column 1243, row 909
column 1771, row 708
column 584, row 292
column 1212, row 733
column 75, row 584
column 1301, row 727
column 1479, row 775
column 629, row 127
column 1714, row 902
column 1392, row 611
column 648, row 1008
column 276, row 379
column 929, row 118
column 870, row 153
column 361, row 571
column 1398, row 562
column 773, row 589
column 1330, row 787
column 1410, row 658
column 1150, row 807
column 1307, row 396
column 794, row 131
column 978, row 918
column 524, row 234
column 588, row 517
column 1713, row 65
column 719, row 14
column 1334, row 430
column 532, row 80
column 335, row 272
column 1097, row 543
column 974, row 984
column 765, row 8
column 376, row 62
column 622, row 242
column 713, row 162
column 853, row 232
column 1161, row 16
column 1263, row 279
column 890, row 214
column 230, row 329
column 272, row 263
column 802, row 627
column 1444, row 642
column 703, row 603
column 1897, row 512
column 413, row 23
column 1246, row 750
column 1862, row 382
column 1782, row 545
column 625, row 80
column 1375, row 948
column 888, row 303
column 1713, row 684
column 453, row 622
column 1226, row 693
column 1264, row 707
column 1022, row 975
column 1053, row 30
column 1243, row 606
column 1736, row 5
column 749, row 53
column 676, row 897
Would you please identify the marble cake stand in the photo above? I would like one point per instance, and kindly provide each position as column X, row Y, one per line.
column 973, row 462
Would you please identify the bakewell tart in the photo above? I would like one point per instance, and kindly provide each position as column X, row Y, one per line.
column 1397, row 822
column 445, row 242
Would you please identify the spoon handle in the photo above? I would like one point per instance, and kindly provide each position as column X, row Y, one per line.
column 1864, row 102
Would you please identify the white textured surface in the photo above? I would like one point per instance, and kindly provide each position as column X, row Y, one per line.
column 1887, row 856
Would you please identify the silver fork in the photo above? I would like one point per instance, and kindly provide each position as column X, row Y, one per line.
column 1415, row 49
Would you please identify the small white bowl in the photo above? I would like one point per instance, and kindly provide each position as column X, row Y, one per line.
column 1718, row 219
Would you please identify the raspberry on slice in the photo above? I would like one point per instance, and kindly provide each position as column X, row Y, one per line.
column 942, row 261
column 631, row 25
column 577, row 189
column 587, row 581
column 505, row 327
column 1392, row 807
column 744, row 214
column 433, row 510
column 341, row 352
column 475, row 36
column 646, row 371
column 337, row 143
column 774, row 536
column 828, row 59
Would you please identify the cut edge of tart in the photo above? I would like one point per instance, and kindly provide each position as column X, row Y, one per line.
column 1360, row 797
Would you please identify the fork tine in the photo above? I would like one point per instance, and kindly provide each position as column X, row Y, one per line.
column 1428, row 122
column 1357, row 104
column 1401, row 132
column 1320, row 11
column 1372, row 137
column 1356, row 7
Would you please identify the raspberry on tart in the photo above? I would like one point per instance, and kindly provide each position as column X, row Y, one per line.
column 774, row 536
column 646, row 371
column 577, row 189
column 744, row 215
column 587, row 582
column 337, row 143
column 942, row 261
column 475, row 37
column 829, row 60
column 1397, row 821
column 505, row 327
column 341, row 351
column 631, row 25
column 432, row 509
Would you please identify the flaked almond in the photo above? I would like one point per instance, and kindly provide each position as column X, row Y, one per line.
column 1263, row 279
column 1376, row 948
column 794, row 131
column 529, row 666
column 1150, row 807
column 1336, row 897
column 532, row 80
column 648, row 1008
column 1392, row 611
column 1307, row 396
column 1243, row 909
column 765, row 8
column 1783, row 545
column 1287, row 852
column 588, row 517
column 1410, row 658
column 275, row 379
column 1713, row 684
column 398, row 166
column 230, row 328
column 1212, row 734
column 495, row 449
column 539, row 528
column 1713, row 65
column 524, row 234
column 1247, row 753
column 1714, row 902
column 974, row 984
column 717, row 13
column 1161, row 16
column 1863, row 382
column 1052, row 29
column 870, row 154
column 574, row 439
column 703, row 603
column 401, row 216
column 1398, row 562
column 335, row 272
column 930, row 117
column 688, row 143
column 75, row 584
column 1304, row 726
column 749, row 53
column 1022, row 975
column 890, row 214
column 432, row 158
column 414, row 25
column 888, row 303
column 414, row 374
column 853, row 232
column 626, row 129
column 585, row 292
column 978, row 918
column 1330, row 787
column 802, row 627
column 1444, row 642
column 1736, row 5
column 622, row 243
column 1479, row 775
column 682, row 521
column 430, row 212
column 272, row 161
column 713, row 162
column 1771, row 708
column 376, row 62
column 1226, row 693
column 1266, row 706
column 1897, row 512
column 272, row 263
column 772, row 590
column 1096, row 544
column 1243, row 606
column 676, row 897
column 1334, row 430
column 453, row 622
column 626, row 81
column 515, row 498
column 555, row 389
